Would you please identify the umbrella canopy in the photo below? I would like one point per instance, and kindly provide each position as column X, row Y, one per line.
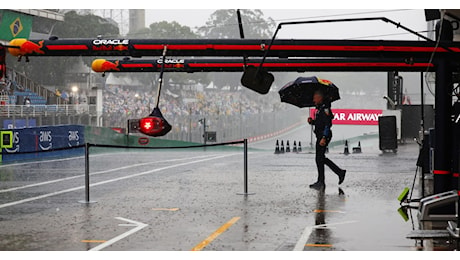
column 300, row 91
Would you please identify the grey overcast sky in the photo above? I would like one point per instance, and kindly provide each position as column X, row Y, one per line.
column 412, row 18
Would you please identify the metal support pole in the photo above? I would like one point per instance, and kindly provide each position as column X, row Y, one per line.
column 246, row 169
column 190, row 125
column 443, row 111
column 87, row 201
column 246, row 166
column 422, row 128
column 204, row 130
column 443, row 99
column 87, row 172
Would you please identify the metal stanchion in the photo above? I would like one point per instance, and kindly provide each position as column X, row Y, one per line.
column 245, row 169
column 87, row 201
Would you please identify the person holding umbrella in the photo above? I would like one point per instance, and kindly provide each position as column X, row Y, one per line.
column 319, row 93
column 323, row 124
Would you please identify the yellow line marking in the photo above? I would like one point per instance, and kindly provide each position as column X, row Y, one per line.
column 324, row 210
column 94, row 241
column 216, row 233
column 319, row 245
column 166, row 209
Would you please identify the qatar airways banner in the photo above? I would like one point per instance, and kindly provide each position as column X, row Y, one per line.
column 353, row 116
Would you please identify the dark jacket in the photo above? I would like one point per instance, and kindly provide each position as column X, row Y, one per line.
column 323, row 121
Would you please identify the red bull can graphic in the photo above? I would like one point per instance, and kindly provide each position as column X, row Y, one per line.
column 103, row 65
column 26, row 47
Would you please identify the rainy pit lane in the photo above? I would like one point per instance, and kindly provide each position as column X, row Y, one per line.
column 189, row 200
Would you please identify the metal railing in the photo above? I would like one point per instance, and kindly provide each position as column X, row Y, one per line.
column 46, row 110
column 24, row 82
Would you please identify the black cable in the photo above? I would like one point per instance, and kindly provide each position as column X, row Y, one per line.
column 287, row 19
column 157, row 148
column 434, row 51
column 160, row 79
column 390, row 34
column 310, row 17
column 125, row 146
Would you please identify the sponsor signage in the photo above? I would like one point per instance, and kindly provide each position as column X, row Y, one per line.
column 110, row 45
column 45, row 138
column 354, row 116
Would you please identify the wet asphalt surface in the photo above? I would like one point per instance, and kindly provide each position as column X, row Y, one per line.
column 188, row 199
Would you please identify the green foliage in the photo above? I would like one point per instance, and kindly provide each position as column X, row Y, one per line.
column 223, row 24
column 85, row 26
column 164, row 30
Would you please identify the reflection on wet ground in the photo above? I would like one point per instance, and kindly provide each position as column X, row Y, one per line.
column 39, row 208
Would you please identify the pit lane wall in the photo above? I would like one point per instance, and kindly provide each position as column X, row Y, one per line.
column 37, row 143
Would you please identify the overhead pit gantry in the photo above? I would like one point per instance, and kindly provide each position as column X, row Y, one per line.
column 441, row 56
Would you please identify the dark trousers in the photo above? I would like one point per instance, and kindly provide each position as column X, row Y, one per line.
column 321, row 160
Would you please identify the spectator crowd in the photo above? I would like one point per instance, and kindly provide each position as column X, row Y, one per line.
column 122, row 103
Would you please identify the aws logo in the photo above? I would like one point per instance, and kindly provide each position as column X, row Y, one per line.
column 45, row 140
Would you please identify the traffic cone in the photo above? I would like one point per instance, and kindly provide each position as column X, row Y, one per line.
column 294, row 149
column 345, row 151
column 277, row 148
column 288, row 149
column 299, row 149
column 282, row 147
column 357, row 149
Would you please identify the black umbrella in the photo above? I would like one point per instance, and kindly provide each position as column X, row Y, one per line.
column 300, row 91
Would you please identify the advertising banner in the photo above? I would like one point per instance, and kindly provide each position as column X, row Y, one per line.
column 43, row 140
column 353, row 116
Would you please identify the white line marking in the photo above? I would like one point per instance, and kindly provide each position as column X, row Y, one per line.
column 53, row 160
column 95, row 173
column 307, row 231
column 109, row 181
column 138, row 226
column 44, row 161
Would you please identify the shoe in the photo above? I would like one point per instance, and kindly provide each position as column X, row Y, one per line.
column 342, row 176
column 318, row 186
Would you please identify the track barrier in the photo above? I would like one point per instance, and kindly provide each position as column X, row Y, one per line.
column 277, row 147
column 357, row 149
column 345, row 150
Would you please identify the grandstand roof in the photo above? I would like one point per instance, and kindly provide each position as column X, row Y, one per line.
column 52, row 14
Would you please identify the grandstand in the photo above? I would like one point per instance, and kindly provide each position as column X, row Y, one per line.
column 18, row 97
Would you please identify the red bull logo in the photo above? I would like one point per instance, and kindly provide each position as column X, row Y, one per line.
column 324, row 81
column 26, row 47
column 103, row 65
